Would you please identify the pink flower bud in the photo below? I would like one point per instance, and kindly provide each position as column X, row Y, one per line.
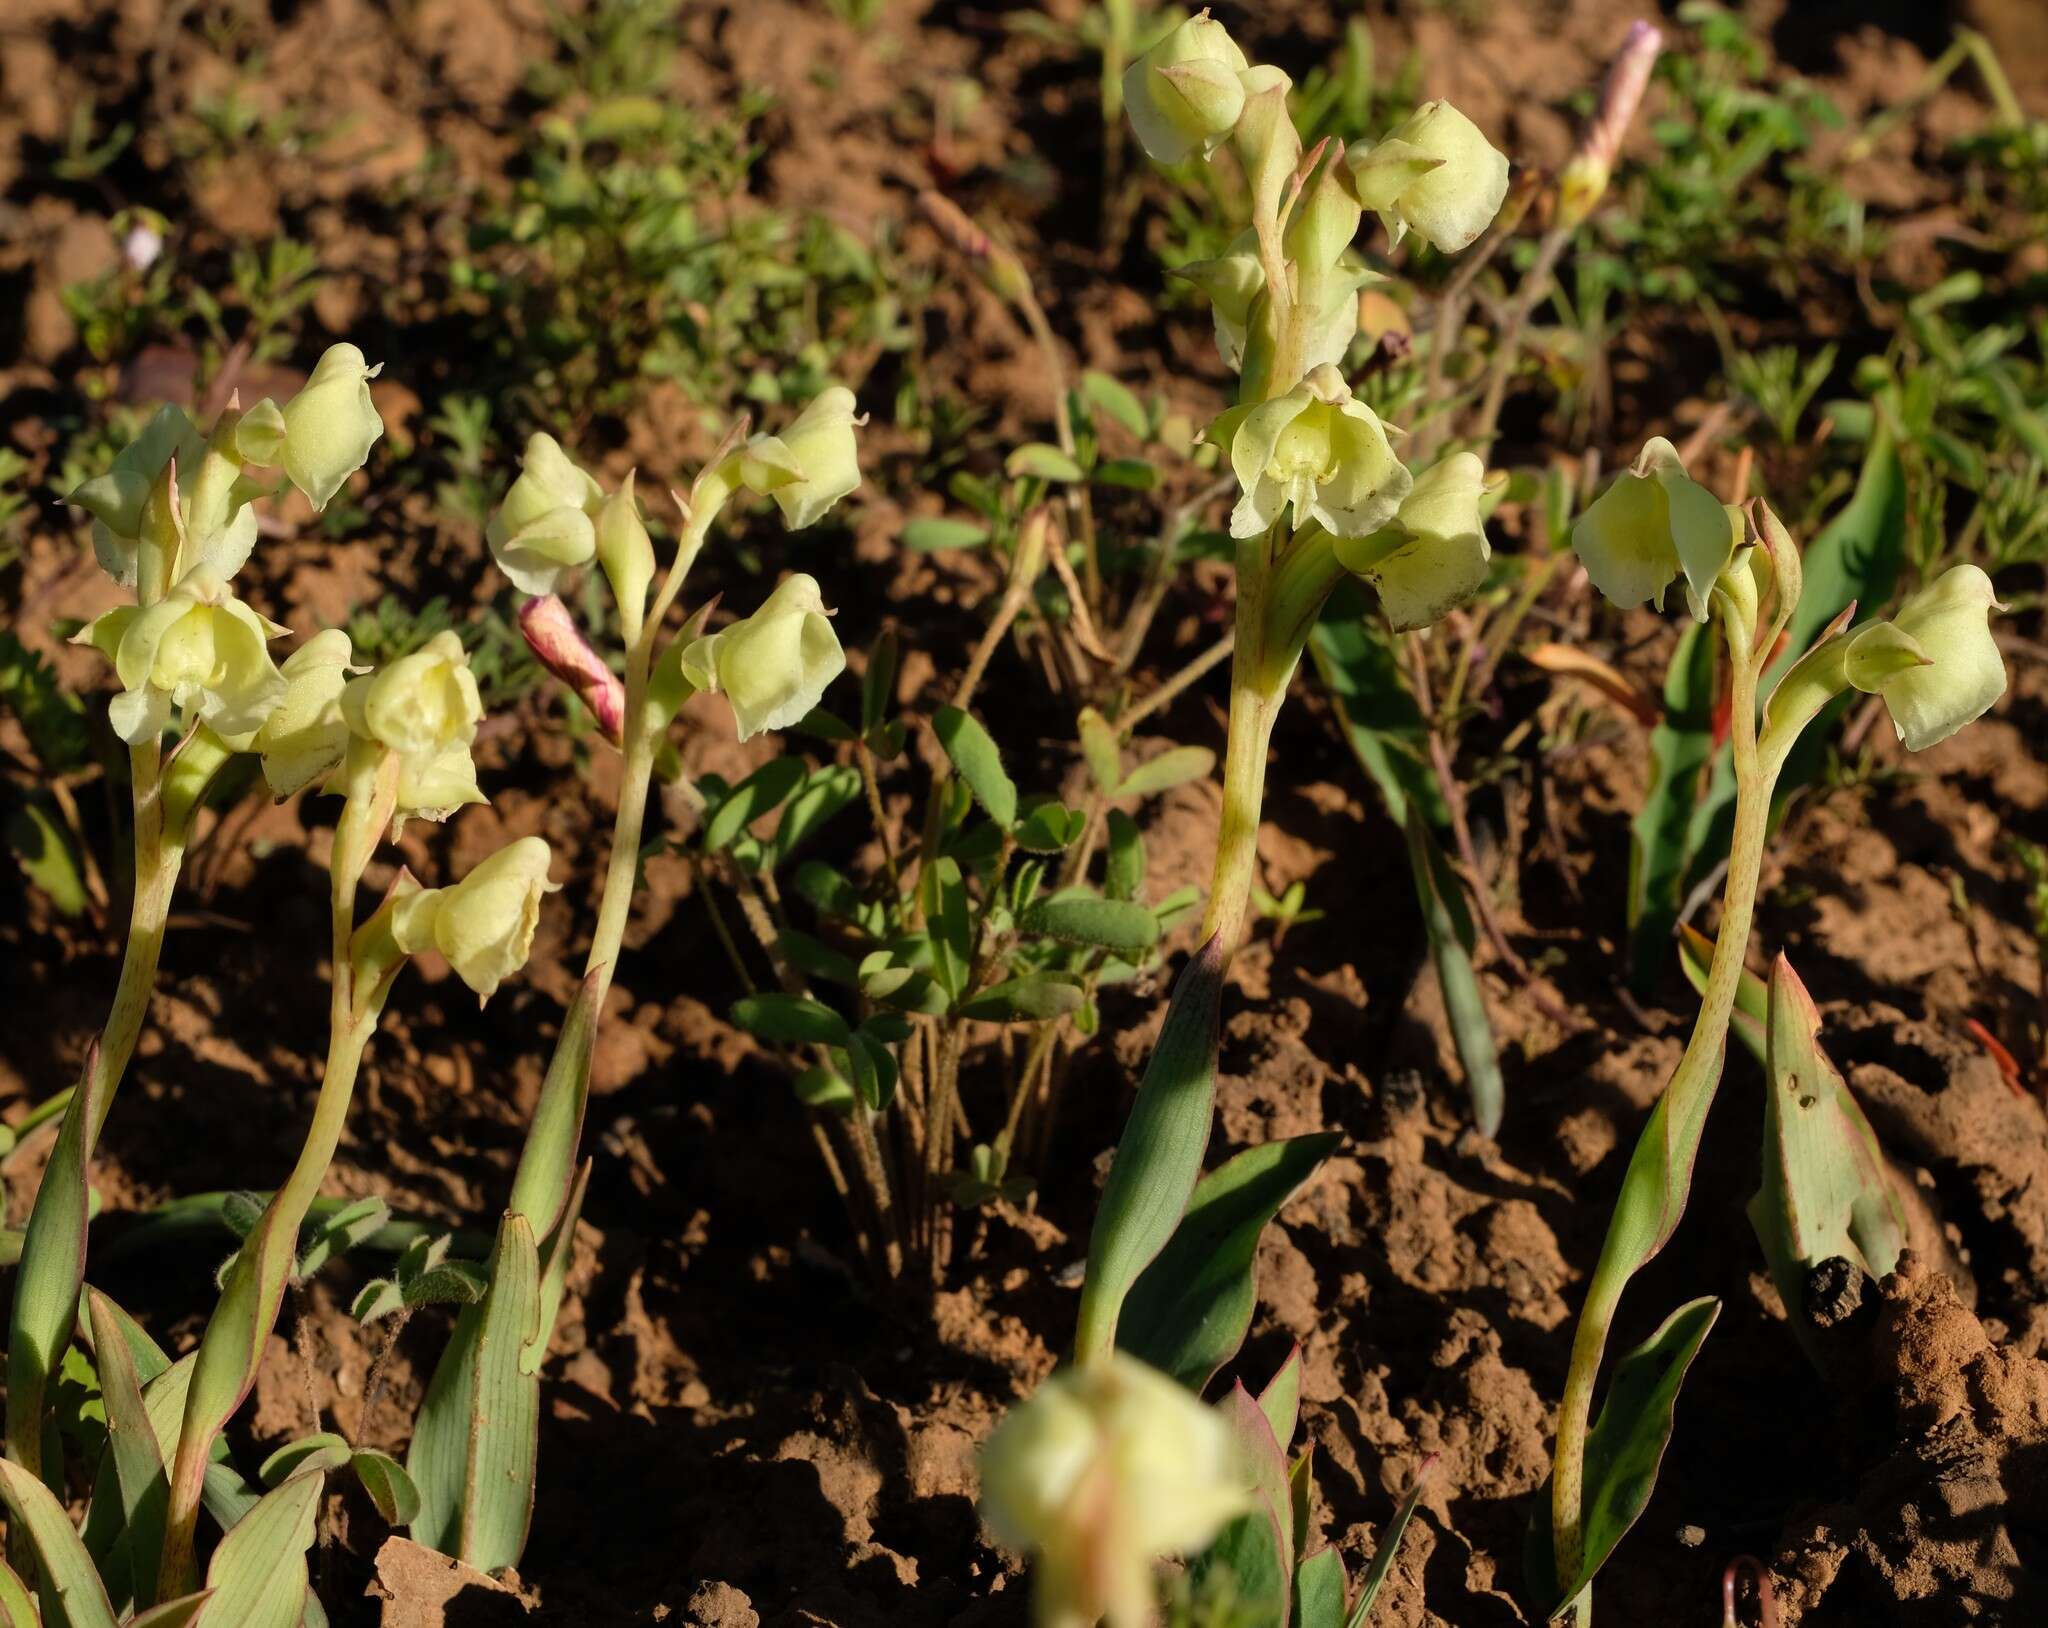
column 553, row 636
column 1628, row 76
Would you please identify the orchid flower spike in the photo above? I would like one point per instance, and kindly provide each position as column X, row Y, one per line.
column 199, row 651
column 1315, row 448
column 1434, row 554
column 1653, row 523
column 1434, row 174
column 1936, row 663
column 484, row 923
column 773, row 666
column 425, row 708
column 1105, row 1470
column 1185, row 94
column 547, row 523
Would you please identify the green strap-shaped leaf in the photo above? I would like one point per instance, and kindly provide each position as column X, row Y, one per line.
column 52, row 1270
column 1160, row 1156
column 1826, row 1190
column 1448, row 926
column 548, row 1160
column 1188, row 1312
column 1256, row 1549
column 472, row 1455
column 554, row 1276
column 17, row 1604
column 1319, row 1588
column 72, row 1595
column 1670, row 826
column 182, row 1612
column 258, row 1574
column 389, row 1487
column 1080, row 917
column 1389, row 1550
column 132, row 1445
column 977, row 761
column 1624, row 1448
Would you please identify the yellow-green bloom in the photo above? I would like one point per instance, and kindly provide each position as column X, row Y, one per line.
column 1100, row 1474
column 1654, row 522
column 546, row 525
column 1434, row 555
column 1236, row 281
column 198, row 650
column 775, row 665
column 483, row 924
column 330, row 426
column 1315, row 448
column 1936, row 663
column 116, row 499
column 812, row 464
column 307, row 735
column 425, row 708
column 1185, row 94
column 1434, row 174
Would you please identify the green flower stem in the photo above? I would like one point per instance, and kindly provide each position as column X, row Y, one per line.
column 242, row 1319
column 52, row 1265
column 1659, row 1177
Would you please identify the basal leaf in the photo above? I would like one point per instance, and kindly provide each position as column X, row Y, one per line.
column 258, row 1574
column 1319, row 1587
column 1160, row 1156
column 72, row 1596
column 1448, row 926
column 1188, row 1312
column 389, row 1487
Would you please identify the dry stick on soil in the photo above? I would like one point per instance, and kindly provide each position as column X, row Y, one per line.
column 1467, row 865
column 1192, row 673
column 1159, row 576
column 1003, row 274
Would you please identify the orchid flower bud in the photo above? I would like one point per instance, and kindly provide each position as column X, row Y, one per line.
column 544, row 526
column 1100, row 1474
column 1186, row 92
column 626, row 553
column 198, row 650
column 552, row 635
column 1654, row 522
column 425, row 708
column 1434, row 555
column 1236, row 281
column 775, row 665
column 1585, row 175
column 307, row 736
column 1435, row 174
column 812, row 464
column 1936, row 663
column 483, row 924
column 330, row 426
column 1318, row 449
column 116, row 500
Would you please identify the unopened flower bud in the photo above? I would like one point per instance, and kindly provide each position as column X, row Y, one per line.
column 775, row 665
column 627, row 554
column 552, row 635
column 1104, row 1471
column 812, row 464
column 306, row 736
column 198, row 650
column 997, row 265
column 545, row 525
column 1318, row 449
column 483, row 924
column 1185, row 94
column 425, row 708
column 1654, row 522
column 1936, row 663
column 1434, row 555
column 1585, row 175
column 1435, row 174
column 330, row 426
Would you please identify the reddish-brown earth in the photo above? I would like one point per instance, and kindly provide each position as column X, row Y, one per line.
column 735, row 1431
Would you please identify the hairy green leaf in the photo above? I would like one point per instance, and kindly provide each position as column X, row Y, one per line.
column 790, row 1020
column 1080, row 917
column 977, row 761
column 1030, row 998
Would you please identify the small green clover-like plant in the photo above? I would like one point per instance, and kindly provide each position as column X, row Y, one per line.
column 425, row 1274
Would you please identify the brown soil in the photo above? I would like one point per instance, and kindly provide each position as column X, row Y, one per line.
column 736, row 1432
